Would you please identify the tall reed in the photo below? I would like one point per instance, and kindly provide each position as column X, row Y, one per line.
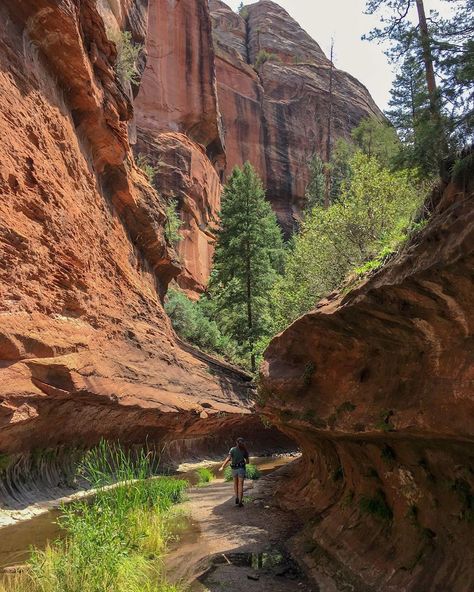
column 116, row 541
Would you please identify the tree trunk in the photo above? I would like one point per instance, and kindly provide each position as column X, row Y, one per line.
column 327, row 169
column 249, row 294
column 428, row 59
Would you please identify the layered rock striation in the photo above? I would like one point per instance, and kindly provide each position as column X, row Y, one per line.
column 86, row 349
column 273, row 90
column 179, row 127
column 377, row 388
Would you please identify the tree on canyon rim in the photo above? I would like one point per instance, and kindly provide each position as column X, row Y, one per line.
column 371, row 218
column 248, row 257
column 443, row 52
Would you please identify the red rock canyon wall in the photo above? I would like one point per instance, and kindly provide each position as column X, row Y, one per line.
column 377, row 388
column 275, row 114
column 86, row 349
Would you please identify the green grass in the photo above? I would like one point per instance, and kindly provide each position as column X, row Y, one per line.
column 252, row 473
column 114, row 543
column 205, row 476
column 376, row 506
column 5, row 461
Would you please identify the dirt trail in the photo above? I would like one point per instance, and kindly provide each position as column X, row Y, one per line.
column 232, row 549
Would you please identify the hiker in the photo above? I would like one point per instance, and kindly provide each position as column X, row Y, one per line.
column 238, row 457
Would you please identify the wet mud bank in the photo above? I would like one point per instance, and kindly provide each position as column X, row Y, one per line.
column 257, row 547
column 37, row 524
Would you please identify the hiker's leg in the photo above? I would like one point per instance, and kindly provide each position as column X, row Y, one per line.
column 241, row 488
column 236, row 486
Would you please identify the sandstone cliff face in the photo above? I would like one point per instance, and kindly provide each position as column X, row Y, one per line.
column 86, row 349
column 179, row 126
column 377, row 387
column 186, row 176
column 225, row 112
column 277, row 117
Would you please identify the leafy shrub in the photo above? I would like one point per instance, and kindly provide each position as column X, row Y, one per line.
column 372, row 216
column 376, row 506
column 173, row 223
column 251, row 470
column 143, row 162
column 127, row 56
column 192, row 323
column 463, row 168
column 205, row 476
column 265, row 56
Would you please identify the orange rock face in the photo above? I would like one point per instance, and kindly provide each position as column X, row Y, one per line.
column 276, row 114
column 179, row 127
column 177, row 90
column 186, row 175
column 376, row 386
column 86, row 349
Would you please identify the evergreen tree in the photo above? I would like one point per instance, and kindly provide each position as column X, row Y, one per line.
column 410, row 113
column 377, row 139
column 408, row 99
column 454, row 58
column 411, row 37
column 248, row 257
column 315, row 190
column 340, row 167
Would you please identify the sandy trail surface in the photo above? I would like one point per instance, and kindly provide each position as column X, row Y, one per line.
column 225, row 548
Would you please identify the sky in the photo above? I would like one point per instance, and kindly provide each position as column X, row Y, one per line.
column 346, row 22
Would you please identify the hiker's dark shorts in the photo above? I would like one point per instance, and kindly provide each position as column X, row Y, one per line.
column 240, row 472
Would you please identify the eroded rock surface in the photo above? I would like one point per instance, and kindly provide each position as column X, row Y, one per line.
column 86, row 349
column 275, row 113
column 179, row 126
column 377, row 388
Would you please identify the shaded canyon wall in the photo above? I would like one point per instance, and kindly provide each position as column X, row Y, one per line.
column 86, row 349
column 377, row 387
column 275, row 114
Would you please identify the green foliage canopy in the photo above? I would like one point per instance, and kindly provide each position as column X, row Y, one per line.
column 248, row 257
column 373, row 213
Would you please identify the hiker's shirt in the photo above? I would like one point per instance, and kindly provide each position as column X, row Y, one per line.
column 238, row 457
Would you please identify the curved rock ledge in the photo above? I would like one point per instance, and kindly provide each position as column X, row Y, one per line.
column 377, row 388
column 86, row 349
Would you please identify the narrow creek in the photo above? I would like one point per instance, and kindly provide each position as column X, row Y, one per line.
column 16, row 540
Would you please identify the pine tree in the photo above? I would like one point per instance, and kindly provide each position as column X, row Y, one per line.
column 248, row 257
column 315, row 190
column 454, row 58
column 413, row 40
column 408, row 99
column 410, row 114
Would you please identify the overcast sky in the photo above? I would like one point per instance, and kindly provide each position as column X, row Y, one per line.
column 346, row 22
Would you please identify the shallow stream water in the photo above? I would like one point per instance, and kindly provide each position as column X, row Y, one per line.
column 16, row 540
